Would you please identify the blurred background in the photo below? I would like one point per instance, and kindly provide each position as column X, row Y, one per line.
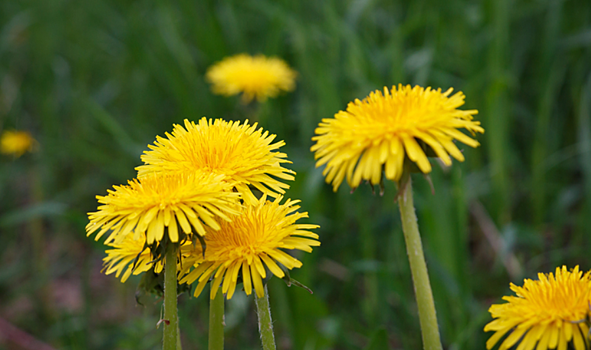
column 95, row 81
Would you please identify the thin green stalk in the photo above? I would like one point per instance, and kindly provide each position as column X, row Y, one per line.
column 498, row 108
column 170, row 300
column 216, row 322
column 265, row 322
column 418, row 267
column 39, row 245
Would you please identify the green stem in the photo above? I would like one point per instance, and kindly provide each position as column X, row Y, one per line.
column 170, row 300
column 39, row 260
column 418, row 267
column 216, row 322
column 265, row 323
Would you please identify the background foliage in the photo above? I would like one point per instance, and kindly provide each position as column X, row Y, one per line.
column 95, row 81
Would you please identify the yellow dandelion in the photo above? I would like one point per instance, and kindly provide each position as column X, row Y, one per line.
column 377, row 133
column 133, row 256
column 253, row 240
column 258, row 76
column 150, row 204
column 242, row 153
column 551, row 312
column 16, row 142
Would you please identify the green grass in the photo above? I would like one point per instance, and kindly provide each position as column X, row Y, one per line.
column 96, row 81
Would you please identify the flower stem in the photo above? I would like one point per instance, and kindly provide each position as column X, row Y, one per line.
column 265, row 322
column 170, row 300
column 216, row 322
column 418, row 267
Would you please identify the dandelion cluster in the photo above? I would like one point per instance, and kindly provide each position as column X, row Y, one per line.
column 377, row 133
column 547, row 313
column 257, row 77
column 197, row 187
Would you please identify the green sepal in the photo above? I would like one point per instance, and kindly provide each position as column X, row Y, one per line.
column 411, row 166
column 201, row 241
column 289, row 281
column 158, row 249
column 430, row 182
column 429, row 152
column 151, row 283
column 184, row 288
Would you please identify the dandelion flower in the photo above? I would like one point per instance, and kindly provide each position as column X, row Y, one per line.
column 252, row 240
column 551, row 312
column 379, row 131
column 150, row 204
column 242, row 153
column 258, row 76
column 16, row 142
column 133, row 256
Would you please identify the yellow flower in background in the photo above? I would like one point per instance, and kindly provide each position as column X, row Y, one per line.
column 549, row 312
column 154, row 202
column 133, row 256
column 248, row 243
column 378, row 132
column 16, row 142
column 257, row 77
column 240, row 152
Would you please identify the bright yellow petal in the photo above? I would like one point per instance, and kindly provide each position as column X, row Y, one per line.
column 578, row 339
column 544, row 340
column 215, row 284
column 233, row 278
column 246, row 278
column 513, row 338
column 554, row 336
column 416, row 154
column 276, row 270
column 258, row 283
column 173, row 231
column 562, row 340
column 182, row 219
column 495, row 338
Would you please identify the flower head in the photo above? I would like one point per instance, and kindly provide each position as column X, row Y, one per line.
column 150, row 204
column 258, row 76
column 133, row 256
column 240, row 152
column 254, row 239
column 16, row 142
column 379, row 131
column 551, row 312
